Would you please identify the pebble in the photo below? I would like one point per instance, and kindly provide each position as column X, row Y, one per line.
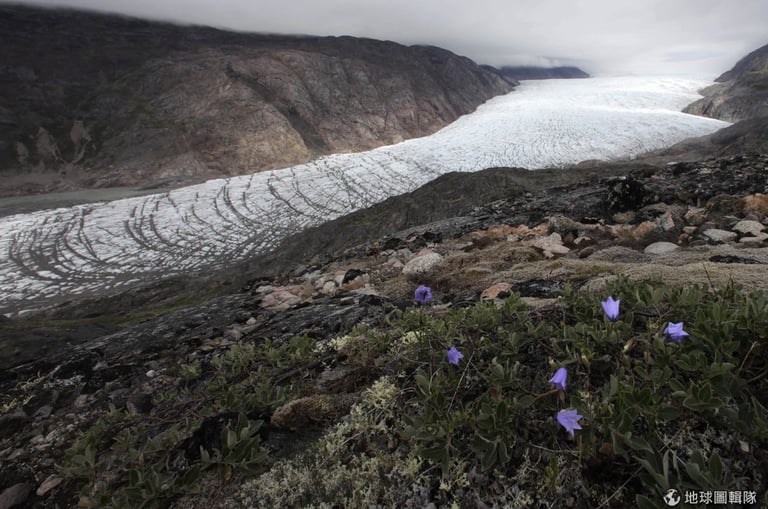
column 50, row 483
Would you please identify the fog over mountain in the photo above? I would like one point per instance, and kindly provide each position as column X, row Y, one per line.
column 693, row 37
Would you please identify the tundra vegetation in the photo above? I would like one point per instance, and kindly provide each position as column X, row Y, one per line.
column 572, row 404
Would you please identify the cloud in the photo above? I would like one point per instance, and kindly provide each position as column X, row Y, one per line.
column 605, row 36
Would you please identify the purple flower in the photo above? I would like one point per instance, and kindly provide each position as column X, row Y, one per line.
column 675, row 332
column 559, row 379
column 422, row 294
column 569, row 419
column 454, row 356
column 611, row 308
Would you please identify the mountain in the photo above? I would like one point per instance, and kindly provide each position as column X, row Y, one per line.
column 92, row 100
column 311, row 375
column 738, row 94
column 521, row 73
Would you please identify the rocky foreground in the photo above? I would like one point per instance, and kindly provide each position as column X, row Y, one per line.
column 80, row 371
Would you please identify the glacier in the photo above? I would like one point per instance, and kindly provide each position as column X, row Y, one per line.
column 49, row 256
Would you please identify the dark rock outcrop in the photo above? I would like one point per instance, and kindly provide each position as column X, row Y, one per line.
column 521, row 73
column 90, row 100
column 739, row 94
column 747, row 136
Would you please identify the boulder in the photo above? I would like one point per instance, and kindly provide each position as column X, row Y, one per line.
column 753, row 228
column 695, row 216
column 550, row 245
column 755, row 203
column 719, row 236
column 281, row 298
column 659, row 248
column 422, row 264
column 493, row 292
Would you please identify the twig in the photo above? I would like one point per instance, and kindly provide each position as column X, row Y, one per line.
column 620, row 488
column 711, row 286
column 758, row 377
column 754, row 344
column 450, row 405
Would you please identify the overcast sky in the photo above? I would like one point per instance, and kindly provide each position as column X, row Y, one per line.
column 699, row 38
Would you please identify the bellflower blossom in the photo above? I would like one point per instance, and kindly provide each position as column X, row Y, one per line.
column 675, row 332
column 454, row 356
column 422, row 294
column 559, row 379
column 611, row 308
column 569, row 419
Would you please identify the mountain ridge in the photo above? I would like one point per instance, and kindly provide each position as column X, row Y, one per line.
column 740, row 93
column 523, row 72
column 118, row 101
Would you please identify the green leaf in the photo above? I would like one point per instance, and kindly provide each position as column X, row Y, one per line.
column 694, row 472
column 501, row 413
column 614, row 386
column 633, row 442
column 422, row 383
column 134, row 477
column 489, row 459
column 668, row 413
column 716, row 467
column 659, row 478
column 503, row 454
column 525, row 401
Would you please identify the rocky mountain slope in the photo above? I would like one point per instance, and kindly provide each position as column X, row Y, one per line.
column 520, row 73
column 90, row 100
column 738, row 94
